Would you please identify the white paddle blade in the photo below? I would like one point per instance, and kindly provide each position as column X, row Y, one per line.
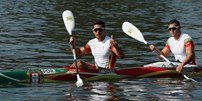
column 79, row 81
column 68, row 19
column 133, row 32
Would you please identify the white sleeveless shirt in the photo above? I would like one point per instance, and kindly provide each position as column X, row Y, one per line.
column 101, row 51
column 177, row 47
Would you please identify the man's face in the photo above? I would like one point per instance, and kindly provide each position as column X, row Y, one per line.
column 98, row 31
column 173, row 29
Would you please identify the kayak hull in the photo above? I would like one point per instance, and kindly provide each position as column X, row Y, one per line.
column 160, row 69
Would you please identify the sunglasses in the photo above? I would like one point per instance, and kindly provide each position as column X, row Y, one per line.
column 98, row 29
column 173, row 28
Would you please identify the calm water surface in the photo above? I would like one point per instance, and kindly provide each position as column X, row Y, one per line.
column 33, row 36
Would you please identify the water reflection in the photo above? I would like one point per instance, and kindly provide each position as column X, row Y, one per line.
column 155, row 89
column 102, row 91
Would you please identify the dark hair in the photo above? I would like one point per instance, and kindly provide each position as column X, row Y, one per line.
column 99, row 22
column 174, row 21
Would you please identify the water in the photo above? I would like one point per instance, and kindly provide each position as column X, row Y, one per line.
column 33, row 36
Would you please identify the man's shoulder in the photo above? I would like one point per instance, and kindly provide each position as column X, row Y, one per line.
column 186, row 36
column 92, row 40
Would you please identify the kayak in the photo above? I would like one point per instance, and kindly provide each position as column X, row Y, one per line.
column 66, row 73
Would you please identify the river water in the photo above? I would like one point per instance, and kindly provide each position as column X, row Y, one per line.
column 33, row 35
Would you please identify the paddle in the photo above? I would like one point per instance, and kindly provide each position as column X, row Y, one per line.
column 135, row 33
column 69, row 22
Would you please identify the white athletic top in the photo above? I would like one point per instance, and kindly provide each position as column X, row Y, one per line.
column 101, row 51
column 177, row 47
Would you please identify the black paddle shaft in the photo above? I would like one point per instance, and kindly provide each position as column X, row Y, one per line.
column 74, row 55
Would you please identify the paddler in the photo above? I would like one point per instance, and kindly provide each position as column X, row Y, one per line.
column 103, row 48
column 180, row 44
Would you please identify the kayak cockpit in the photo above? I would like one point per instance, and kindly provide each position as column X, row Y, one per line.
column 167, row 65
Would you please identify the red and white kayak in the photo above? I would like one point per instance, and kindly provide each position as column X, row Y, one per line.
column 157, row 69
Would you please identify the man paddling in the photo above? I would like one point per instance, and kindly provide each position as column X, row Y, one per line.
column 102, row 47
column 180, row 44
